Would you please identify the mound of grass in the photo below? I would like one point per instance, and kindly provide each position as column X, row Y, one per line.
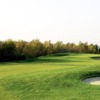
column 50, row 78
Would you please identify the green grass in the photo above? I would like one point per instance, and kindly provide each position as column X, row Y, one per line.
column 52, row 77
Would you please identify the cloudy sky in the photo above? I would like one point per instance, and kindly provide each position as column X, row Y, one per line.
column 63, row 20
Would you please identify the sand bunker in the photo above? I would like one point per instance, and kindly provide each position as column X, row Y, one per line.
column 92, row 81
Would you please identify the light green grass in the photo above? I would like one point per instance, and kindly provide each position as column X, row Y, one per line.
column 52, row 77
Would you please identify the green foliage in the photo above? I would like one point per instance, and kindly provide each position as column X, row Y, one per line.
column 59, row 47
column 48, row 47
column 20, row 45
column 33, row 49
column 8, row 50
column 18, row 50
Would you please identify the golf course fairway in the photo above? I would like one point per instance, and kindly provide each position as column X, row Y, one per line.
column 51, row 77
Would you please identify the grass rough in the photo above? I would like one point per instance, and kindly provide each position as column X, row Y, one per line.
column 52, row 77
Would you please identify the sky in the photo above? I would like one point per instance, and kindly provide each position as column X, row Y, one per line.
column 55, row 20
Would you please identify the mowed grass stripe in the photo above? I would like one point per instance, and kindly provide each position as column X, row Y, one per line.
column 51, row 77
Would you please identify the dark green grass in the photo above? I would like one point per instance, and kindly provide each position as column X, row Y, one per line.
column 52, row 77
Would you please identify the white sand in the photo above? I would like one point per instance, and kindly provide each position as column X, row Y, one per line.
column 92, row 81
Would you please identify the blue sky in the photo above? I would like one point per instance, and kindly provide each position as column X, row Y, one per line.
column 63, row 20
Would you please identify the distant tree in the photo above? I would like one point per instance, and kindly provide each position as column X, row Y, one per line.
column 99, row 50
column 83, row 47
column 33, row 49
column 20, row 45
column 59, row 47
column 1, row 51
column 92, row 48
column 48, row 47
column 9, row 50
column 18, row 50
column 96, row 48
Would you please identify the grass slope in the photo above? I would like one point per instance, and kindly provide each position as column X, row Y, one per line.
column 53, row 77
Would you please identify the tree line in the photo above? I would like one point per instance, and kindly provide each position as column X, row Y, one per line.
column 18, row 50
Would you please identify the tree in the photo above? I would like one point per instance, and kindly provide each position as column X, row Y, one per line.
column 33, row 49
column 9, row 52
column 83, row 47
column 48, row 47
column 20, row 45
column 71, row 47
column 92, row 48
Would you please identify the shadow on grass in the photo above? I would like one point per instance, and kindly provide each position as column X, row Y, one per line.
column 42, row 60
column 47, row 60
column 61, row 54
column 66, row 54
column 96, row 58
column 90, row 74
column 53, row 58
